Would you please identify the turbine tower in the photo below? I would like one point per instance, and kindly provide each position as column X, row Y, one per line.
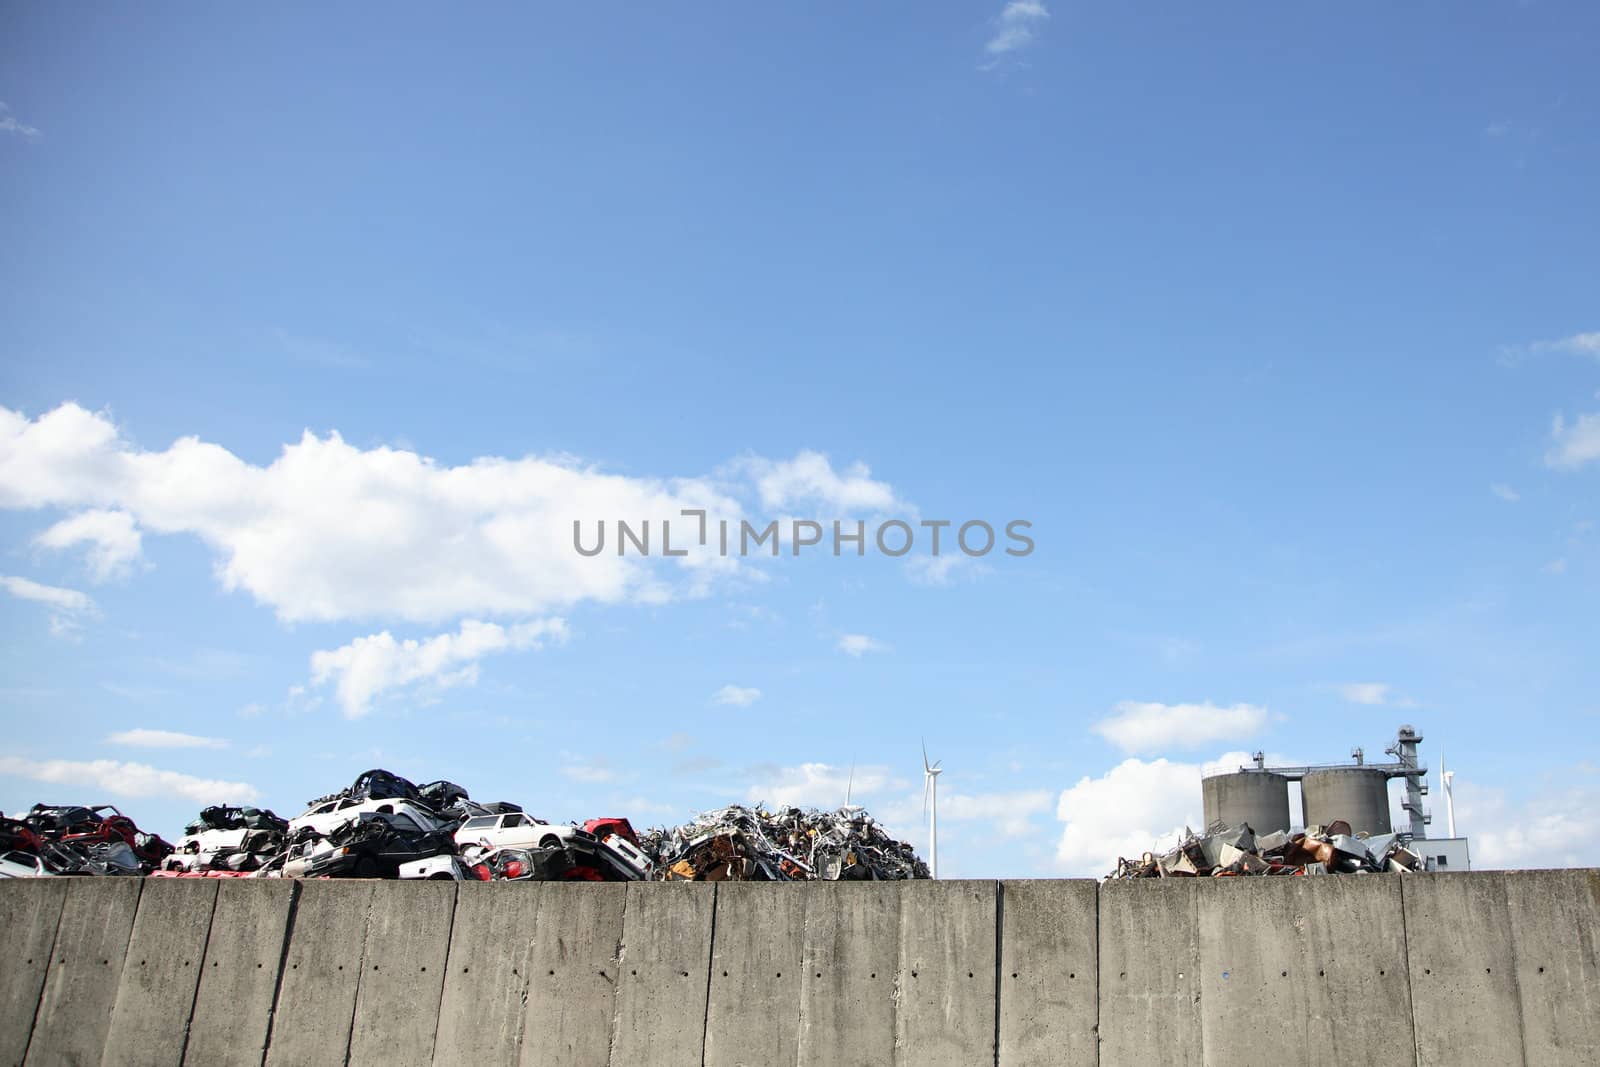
column 1447, row 779
column 930, row 806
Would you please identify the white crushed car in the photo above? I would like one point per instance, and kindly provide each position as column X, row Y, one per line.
column 516, row 829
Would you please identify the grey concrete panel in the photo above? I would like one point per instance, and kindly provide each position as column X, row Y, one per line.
column 753, row 1016
column 486, row 979
column 402, row 974
column 573, row 981
column 666, row 960
column 1149, row 980
column 80, row 988
column 161, row 972
column 233, row 1006
column 852, row 939
column 1463, row 971
column 1328, row 953
column 1555, row 929
column 946, row 1011
column 30, row 910
column 317, row 996
column 1048, row 972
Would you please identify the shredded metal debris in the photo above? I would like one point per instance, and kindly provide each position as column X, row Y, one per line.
column 792, row 845
column 1237, row 850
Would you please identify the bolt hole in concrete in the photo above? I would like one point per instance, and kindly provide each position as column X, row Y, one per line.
column 819, row 974
column 913, row 974
column 552, row 972
column 724, row 973
column 1427, row 970
column 969, row 974
column 1321, row 973
column 1382, row 973
column 341, row 966
column 1541, row 970
column 780, row 974
column 464, row 970
column 1284, row 974
column 634, row 973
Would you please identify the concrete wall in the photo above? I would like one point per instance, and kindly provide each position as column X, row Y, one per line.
column 1489, row 967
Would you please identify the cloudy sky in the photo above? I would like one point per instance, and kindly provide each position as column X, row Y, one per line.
column 318, row 329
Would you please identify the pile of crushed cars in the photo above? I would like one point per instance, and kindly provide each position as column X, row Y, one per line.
column 385, row 826
column 1237, row 850
column 792, row 845
column 69, row 839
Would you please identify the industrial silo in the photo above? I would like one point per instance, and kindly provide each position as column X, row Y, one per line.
column 1259, row 798
column 1357, row 795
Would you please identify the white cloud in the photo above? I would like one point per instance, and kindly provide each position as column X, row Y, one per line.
column 809, row 480
column 1017, row 26
column 588, row 771
column 1009, row 813
column 1505, row 492
column 1134, row 808
column 322, row 531
column 142, row 738
column 130, row 780
column 68, row 607
column 1497, row 129
column 9, row 123
column 737, row 695
column 1148, row 727
column 1372, row 694
column 859, row 645
column 1579, row 344
column 1555, row 566
column 113, row 539
column 820, row 785
column 936, row 570
column 1574, row 444
column 1547, row 829
column 370, row 666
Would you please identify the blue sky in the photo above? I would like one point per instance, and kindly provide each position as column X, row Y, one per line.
column 1279, row 326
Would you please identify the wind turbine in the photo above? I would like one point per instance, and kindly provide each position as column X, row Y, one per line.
column 930, row 807
column 1447, row 779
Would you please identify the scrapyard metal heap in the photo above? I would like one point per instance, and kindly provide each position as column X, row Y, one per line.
column 75, row 839
column 1237, row 850
column 792, row 845
column 385, row 826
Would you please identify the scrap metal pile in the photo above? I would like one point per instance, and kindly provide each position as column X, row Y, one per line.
column 1237, row 850
column 69, row 839
column 385, row 826
column 792, row 845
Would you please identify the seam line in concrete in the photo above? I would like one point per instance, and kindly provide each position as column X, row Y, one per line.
column 188, row 1022
column 1097, row 970
column 618, row 959
column 283, row 958
column 999, row 959
column 711, row 959
column 1411, row 999
column 361, row 971
column 455, row 899
column 44, row 983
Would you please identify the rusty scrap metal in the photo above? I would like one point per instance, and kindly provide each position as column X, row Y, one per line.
column 1237, row 850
